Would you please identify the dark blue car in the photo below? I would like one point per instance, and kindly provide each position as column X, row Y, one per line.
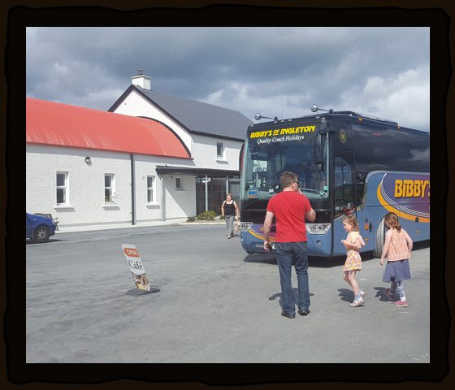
column 39, row 228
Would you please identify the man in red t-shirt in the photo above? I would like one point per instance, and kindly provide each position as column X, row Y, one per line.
column 290, row 208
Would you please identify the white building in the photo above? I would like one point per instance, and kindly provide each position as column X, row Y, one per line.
column 153, row 157
column 213, row 135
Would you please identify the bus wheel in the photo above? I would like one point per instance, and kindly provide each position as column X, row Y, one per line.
column 380, row 237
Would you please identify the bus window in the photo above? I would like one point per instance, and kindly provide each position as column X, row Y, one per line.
column 412, row 151
column 373, row 149
column 344, row 195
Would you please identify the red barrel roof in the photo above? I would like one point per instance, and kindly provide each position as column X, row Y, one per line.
column 58, row 124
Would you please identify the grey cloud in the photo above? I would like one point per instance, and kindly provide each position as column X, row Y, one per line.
column 247, row 69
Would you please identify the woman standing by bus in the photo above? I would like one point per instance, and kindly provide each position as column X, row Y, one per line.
column 230, row 210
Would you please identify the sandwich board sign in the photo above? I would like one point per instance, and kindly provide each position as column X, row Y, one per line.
column 137, row 269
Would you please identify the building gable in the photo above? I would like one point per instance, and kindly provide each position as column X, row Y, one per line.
column 193, row 116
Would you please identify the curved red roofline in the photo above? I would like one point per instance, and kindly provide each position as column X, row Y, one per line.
column 58, row 124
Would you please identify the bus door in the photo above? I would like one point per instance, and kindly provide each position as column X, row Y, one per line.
column 365, row 214
column 343, row 183
column 343, row 196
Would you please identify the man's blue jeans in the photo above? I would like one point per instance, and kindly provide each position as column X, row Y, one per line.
column 286, row 253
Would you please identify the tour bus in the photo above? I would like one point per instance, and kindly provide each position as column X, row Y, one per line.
column 347, row 163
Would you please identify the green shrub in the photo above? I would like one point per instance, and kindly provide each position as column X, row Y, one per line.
column 207, row 216
column 191, row 219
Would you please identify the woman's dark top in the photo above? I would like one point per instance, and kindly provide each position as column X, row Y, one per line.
column 229, row 209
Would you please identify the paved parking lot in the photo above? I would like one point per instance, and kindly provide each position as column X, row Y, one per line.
column 215, row 304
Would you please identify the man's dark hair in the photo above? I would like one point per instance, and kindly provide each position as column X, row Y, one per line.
column 287, row 178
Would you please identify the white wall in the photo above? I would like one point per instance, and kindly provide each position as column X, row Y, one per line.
column 205, row 153
column 86, row 186
column 178, row 203
column 137, row 105
column 202, row 148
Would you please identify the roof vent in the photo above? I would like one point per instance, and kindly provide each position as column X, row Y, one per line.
column 141, row 80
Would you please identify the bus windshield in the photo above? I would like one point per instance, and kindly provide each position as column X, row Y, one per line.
column 266, row 159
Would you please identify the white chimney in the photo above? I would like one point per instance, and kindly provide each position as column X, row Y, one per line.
column 142, row 81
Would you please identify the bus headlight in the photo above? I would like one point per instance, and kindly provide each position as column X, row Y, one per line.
column 317, row 228
column 245, row 226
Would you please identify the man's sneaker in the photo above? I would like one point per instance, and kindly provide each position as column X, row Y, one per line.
column 287, row 315
column 357, row 302
column 363, row 293
column 401, row 303
column 388, row 294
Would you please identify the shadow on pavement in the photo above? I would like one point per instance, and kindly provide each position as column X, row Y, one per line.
column 270, row 258
column 322, row 262
column 261, row 258
column 380, row 293
column 346, row 294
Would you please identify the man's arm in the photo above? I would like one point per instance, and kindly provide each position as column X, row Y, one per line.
column 310, row 215
column 267, row 227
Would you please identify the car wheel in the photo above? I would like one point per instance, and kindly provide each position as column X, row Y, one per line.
column 41, row 234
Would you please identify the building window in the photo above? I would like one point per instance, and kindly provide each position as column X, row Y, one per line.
column 109, row 188
column 219, row 150
column 62, row 188
column 151, row 189
column 178, row 183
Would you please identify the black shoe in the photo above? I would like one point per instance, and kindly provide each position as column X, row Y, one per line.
column 287, row 315
column 304, row 312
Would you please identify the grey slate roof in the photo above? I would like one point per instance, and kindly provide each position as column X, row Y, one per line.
column 198, row 117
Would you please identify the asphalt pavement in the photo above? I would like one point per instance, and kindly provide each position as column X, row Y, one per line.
column 215, row 304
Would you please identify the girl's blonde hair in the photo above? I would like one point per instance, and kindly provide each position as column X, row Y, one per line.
column 393, row 221
column 351, row 220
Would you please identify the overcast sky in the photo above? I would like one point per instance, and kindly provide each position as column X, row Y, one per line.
column 276, row 71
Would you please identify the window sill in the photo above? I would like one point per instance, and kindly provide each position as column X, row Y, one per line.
column 63, row 207
column 111, row 206
column 222, row 160
column 152, row 205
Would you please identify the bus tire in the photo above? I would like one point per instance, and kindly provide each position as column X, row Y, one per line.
column 380, row 237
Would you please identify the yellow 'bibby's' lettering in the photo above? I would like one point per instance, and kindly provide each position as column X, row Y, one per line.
column 260, row 134
column 411, row 188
